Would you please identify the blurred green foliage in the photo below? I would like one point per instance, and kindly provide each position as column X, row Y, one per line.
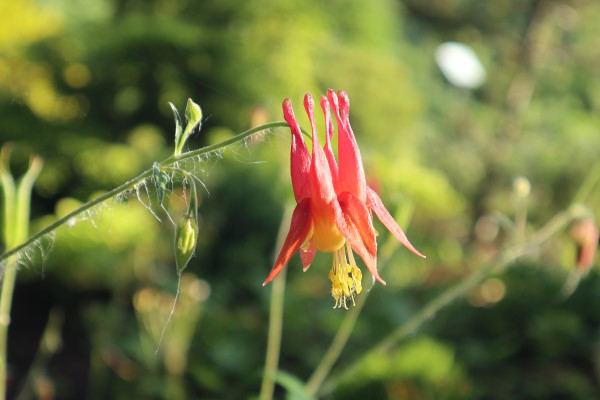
column 86, row 85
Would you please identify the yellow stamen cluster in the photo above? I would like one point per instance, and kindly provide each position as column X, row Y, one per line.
column 345, row 277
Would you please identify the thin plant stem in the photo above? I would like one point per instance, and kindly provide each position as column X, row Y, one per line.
column 164, row 329
column 343, row 333
column 589, row 184
column 520, row 218
column 131, row 183
column 507, row 257
column 8, row 285
column 275, row 317
column 345, row 330
column 337, row 346
column 8, row 190
column 16, row 230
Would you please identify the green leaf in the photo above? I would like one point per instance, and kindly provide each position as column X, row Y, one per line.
column 295, row 388
column 178, row 124
column 161, row 179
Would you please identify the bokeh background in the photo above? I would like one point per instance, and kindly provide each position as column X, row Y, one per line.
column 444, row 137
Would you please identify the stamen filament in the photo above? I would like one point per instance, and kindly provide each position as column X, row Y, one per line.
column 345, row 277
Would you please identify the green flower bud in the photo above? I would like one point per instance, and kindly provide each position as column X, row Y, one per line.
column 193, row 115
column 186, row 236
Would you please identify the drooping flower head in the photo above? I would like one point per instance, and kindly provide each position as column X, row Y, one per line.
column 334, row 204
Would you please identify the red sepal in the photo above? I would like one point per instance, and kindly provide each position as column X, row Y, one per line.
column 328, row 138
column 359, row 231
column 299, row 230
column 351, row 175
column 321, row 185
column 375, row 204
column 299, row 157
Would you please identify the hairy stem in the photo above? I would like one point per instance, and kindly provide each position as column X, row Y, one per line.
column 508, row 256
column 130, row 184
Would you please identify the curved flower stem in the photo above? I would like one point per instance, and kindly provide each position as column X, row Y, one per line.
column 130, row 184
column 508, row 256
column 275, row 317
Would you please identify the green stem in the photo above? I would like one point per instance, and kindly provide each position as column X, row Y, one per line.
column 589, row 184
column 8, row 189
column 345, row 330
column 16, row 230
column 8, row 281
column 275, row 317
column 23, row 199
column 75, row 213
column 224, row 143
column 8, row 285
column 520, row 220
column 343, row 333
column 129, row 184
column 335, row 349
column 508, row 256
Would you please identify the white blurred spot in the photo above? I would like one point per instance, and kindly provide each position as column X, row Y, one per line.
column 460, row 65
column 521, row 186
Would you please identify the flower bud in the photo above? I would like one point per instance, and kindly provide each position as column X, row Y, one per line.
column 186, row 235
column 193, row 115
column 585, row 235
column 521, row 187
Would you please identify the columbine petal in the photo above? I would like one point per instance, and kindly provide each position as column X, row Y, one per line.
column 375, row 204
column 300, row 228
column 299, row 157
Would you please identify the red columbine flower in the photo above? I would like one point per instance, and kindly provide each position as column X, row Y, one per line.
column 334, row 204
